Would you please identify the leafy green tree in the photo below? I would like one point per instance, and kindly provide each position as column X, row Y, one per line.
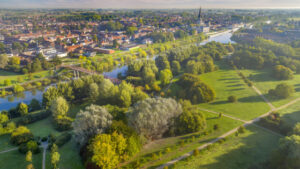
column 29, row 156
column 296, row 129
column 165, row 76
column 93, row 92
column 22, row 108
column 21, row 135
column 34, row 105
column 282, row 91
column 176, row 67
column 3, row 61
column 51, row 94
column 18, row 88
column 108, row 150
column 3, row 118
column 55, row 157
column 282, row 73
column 232, row 99
column 59, row 107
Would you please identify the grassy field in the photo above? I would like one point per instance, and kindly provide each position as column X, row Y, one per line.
column 226, row 82
column 16, row 160
column 240, row 152
column 264, row 82
column 43, row 128
column 4, row 143
column 291, row 115
column 145, row 156
column 4, row 75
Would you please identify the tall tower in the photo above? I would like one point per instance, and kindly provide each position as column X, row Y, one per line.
column 200, row 21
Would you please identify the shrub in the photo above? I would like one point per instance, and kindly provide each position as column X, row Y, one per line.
column 21, row 135
column 241, row 130
column 282, row 91
column 31, row 118
column 61, row 139
column 232, row 99
column 30, row 146
column 216, row 127
column 196, row 152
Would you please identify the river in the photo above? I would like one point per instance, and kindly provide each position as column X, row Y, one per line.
column 9, row 102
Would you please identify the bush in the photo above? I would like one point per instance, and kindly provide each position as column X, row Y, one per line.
column 241, row 130
column 63, row 123
column 232, row 99
column 62, row 139
column 31, row 118
column 196, row 152
column 282, row 91
column 216, row 127
column 21, row 135
column 30, row 146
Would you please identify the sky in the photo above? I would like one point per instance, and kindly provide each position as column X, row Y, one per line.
column 132, row 4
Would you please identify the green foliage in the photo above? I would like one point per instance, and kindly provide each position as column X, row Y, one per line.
column 21, row 135
column 34, row 105
column 191, row 120
column 282, row 91
column 22, row 109
column 31, row 146
column 51, row 94
column 296, row 129
column 3, row 118
column 282, row 73
column 108, row 150
column 165, row 76
column 232, row 99
column 195, row 90
column 59, row 107
column 18, row 89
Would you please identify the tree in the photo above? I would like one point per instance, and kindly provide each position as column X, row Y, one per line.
column 3, row 61
column 176, row 67
column 22, row 108
column 282, row 73
column 282, row 91
column 3, row 118
column 50, row 95
column 59, row 107
column 232, row 99
column 287, row 156
column 191, row 120
column 34, row 105
column 108, row 150
column 29, row 156
column 93, row 120
column 296, row 129
column 18, row 88
column 93, row 92
column 21, row 135
column 55, row 159
column 152, row 117
column 15, row 60
column 165, row 76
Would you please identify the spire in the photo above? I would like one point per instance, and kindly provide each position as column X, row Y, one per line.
column 199, row 16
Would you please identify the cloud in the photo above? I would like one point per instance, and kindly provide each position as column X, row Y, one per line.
column 149, row 3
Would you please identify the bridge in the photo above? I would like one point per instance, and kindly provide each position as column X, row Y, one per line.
column 86, row 71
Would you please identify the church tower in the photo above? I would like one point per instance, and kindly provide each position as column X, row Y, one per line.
column 200, row 21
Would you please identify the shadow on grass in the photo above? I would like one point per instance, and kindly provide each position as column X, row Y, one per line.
column 297, row 89
column 236, row 85
column 253, row 149
column 237, row 89
column 263, row 76
column 235, row 79
column 250, row 99
column 219, row 102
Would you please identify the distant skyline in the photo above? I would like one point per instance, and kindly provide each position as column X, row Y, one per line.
column 133, row 4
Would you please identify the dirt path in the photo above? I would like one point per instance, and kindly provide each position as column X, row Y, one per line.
column 44, row 146
column 263, row 97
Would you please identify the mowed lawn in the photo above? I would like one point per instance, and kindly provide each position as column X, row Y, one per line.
column 225, row 125
column 16, row 160
column 291, row 115
column 264, row 81
column 226, row 82
column 5, row 75
column 240, row 152
column 43, row 128
column 69, row 157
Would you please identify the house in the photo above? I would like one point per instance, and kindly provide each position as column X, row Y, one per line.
column 105, row 51
column 130, row 47
column 147, row 41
